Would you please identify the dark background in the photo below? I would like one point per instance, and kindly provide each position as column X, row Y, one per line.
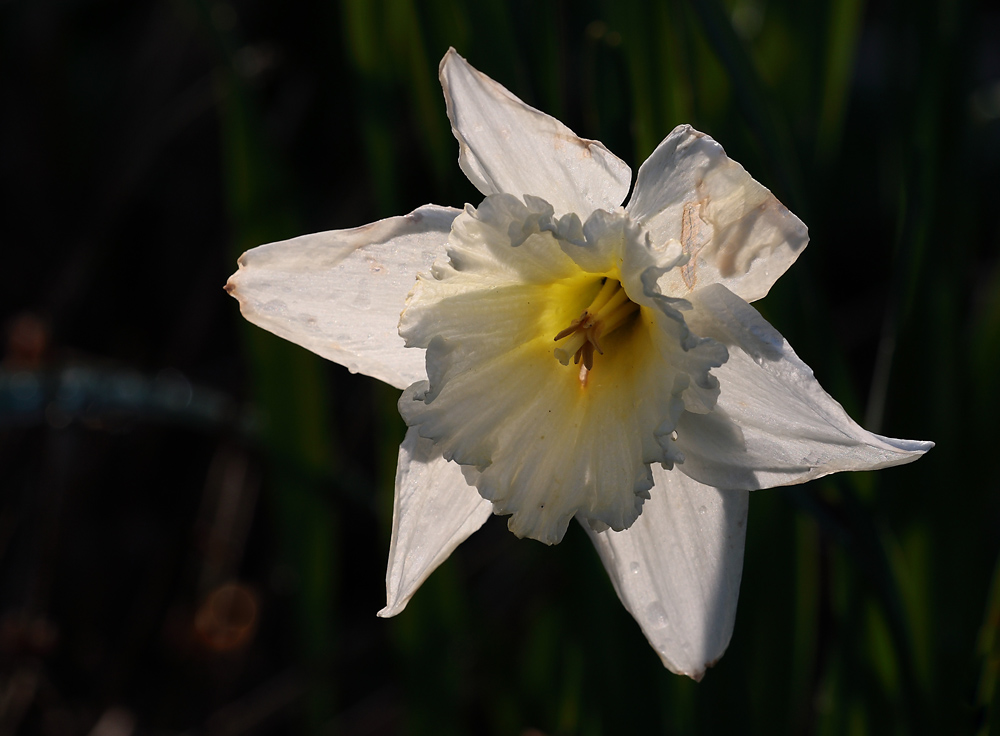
column 194, row 515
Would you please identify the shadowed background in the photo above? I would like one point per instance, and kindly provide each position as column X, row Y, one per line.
column 194, row 515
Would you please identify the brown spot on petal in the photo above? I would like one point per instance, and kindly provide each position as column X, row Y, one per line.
column 560, row 139
column 701, row 673
column 695, row 234
column 733, row 239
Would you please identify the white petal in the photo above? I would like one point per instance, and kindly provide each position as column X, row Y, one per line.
column 435, row 510
column 340, row 293
column 773, row 423
column 677, row 569
column 507, row 146
column 734, row 230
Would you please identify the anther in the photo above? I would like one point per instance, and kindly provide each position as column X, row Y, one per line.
column 605, row 314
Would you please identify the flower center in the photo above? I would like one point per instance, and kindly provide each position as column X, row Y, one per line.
column 609, row 310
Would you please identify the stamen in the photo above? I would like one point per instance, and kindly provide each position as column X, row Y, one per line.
column 574, row 325
column 607, row 291
column 571, row 348
column 619, row 298
column 618, row 315
column 609, row 309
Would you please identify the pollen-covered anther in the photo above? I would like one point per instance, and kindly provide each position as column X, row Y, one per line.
column 609, row 310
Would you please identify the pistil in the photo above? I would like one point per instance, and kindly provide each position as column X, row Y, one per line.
column 609, row 310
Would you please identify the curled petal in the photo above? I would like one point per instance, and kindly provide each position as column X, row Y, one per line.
column 732, row 229
column 435, row 510
column 340, row 293
column 677, row 569
column 508, row 147
column 773, row 424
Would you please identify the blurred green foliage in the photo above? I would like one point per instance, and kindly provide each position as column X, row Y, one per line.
column 870, row 603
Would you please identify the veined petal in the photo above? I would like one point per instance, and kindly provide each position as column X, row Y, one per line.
column 677, row 569
column 733, row 229
column 507, row 146
column 550, row 440
column 773, row 424
column 435, row 510
column 340, row 293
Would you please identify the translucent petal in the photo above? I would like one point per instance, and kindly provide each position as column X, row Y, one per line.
column 435, row 510
column 677, row 569
column 507, row 146
column 340, row 293
column 773, row 423
column 734, row 230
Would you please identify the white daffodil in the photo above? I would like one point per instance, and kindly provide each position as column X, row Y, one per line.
column 562, row 356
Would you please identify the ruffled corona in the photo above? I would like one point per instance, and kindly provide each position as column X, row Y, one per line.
column 557, row 371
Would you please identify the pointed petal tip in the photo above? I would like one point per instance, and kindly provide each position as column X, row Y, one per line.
column 907, row 450
column 233, row 287
column 450, row 56
column 916, row 446
column 695, row 674
column 505, row 145
column 391, row 610
column 231, row 282
column 236, row 288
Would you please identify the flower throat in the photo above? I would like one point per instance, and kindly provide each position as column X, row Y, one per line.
column 609, row 310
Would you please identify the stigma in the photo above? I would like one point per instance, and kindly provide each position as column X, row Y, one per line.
column 609, row 310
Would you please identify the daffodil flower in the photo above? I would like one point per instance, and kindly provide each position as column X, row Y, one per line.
column 562, row 356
